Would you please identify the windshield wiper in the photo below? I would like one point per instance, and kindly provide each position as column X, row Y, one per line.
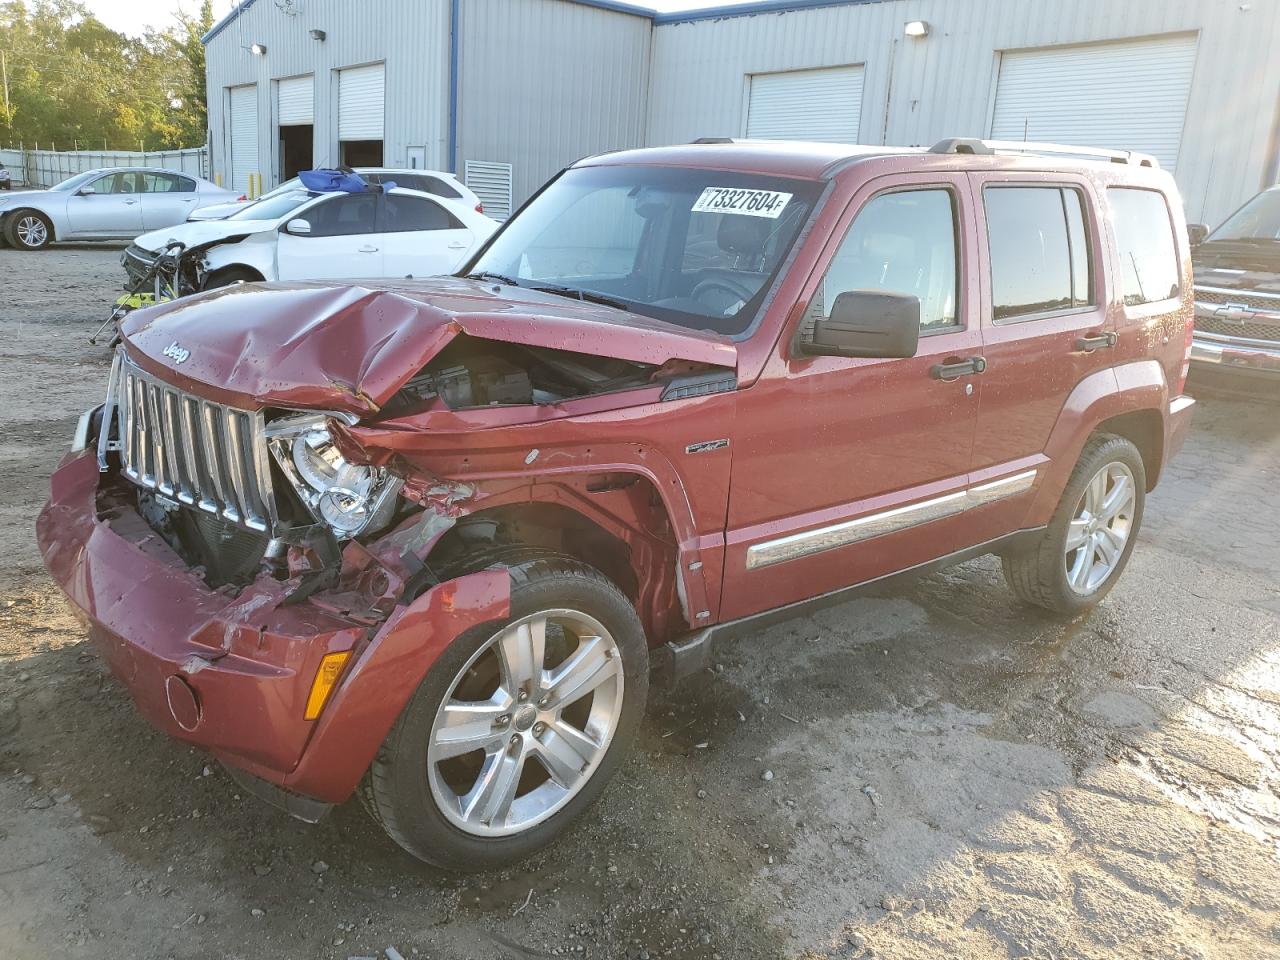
column 486, row 275
column 587, row 296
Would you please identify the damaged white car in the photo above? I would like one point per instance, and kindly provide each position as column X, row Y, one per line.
column 309, row 235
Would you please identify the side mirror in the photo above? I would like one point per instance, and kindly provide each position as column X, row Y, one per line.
column 86, row 192
column 298, row 227
column 868, row 323
column 1197, row 233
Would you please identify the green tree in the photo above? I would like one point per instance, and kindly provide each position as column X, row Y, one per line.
column 75, row 82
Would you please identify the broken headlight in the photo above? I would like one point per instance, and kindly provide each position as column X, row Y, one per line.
column 350, row 498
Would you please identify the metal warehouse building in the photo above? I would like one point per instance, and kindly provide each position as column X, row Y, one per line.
column 506, row 92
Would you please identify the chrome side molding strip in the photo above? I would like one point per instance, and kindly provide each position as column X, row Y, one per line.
column 797, row 545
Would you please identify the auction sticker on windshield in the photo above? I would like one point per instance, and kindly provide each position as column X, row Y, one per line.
column 751, row 203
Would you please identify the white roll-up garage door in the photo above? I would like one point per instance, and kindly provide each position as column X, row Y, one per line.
column 297, row 101
column 360, row 102
column 821, row 105
column 1130, row 95
column 244, row 135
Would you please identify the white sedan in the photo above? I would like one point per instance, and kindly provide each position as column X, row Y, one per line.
column 435, row 182
column 107, row 204
column 303, row 235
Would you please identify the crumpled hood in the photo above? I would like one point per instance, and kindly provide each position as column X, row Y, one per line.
column 349, row 348
column 202, row 231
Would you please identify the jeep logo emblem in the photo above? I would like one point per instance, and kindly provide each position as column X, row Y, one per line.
column 176, row 353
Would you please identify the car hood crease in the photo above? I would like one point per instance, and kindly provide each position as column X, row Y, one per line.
column 335, row 346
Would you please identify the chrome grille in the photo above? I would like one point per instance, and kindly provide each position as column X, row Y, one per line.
column 1221, row 295
column 137, row 262
column 1229, row 328
column 203, row 454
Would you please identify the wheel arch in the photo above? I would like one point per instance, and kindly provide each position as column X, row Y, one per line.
column 1145, row 430
column 619, row 526
column 1128, row 400
column 236, row 267
column 44, row 214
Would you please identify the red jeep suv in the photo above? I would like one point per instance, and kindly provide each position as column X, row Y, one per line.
column 422, row 540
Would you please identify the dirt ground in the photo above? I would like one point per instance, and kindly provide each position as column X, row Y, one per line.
column 954, row 775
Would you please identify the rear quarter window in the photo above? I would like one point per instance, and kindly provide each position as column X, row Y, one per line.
column 1144, row 241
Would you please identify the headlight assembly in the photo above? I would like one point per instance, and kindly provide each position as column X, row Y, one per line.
column 350, row 498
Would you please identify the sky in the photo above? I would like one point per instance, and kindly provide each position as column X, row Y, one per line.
column 132, row 17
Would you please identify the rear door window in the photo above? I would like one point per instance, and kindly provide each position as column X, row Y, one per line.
column 1144, row 238
column 167, row 183
column 1039, row 248
column 401, row 214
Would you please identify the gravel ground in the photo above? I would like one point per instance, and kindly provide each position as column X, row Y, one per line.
column 950, row 774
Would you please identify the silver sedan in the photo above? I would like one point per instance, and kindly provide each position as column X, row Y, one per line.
column 108, row 204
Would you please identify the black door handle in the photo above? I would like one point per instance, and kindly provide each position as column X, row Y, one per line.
column 1100, row 341
column 957, row 368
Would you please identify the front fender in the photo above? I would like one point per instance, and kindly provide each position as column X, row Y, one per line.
column 384, row 677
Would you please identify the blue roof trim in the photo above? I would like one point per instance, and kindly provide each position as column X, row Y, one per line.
column 751, row 9
column 688, row 16
column 614, row 5
column 227, row 20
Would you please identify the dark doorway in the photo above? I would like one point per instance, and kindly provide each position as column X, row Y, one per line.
column 296, row 150
column 362, row 153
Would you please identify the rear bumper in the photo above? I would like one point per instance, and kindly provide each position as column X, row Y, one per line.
column 232, row 673
column 1242, row 356
column 1177, row 425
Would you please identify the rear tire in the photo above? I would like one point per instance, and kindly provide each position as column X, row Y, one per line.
column 28, row 230
column 495, row 755
column 1088, row 541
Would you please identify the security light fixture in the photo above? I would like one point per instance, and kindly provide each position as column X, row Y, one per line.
column 258, row 50
column 916, row 28
column 318, row 35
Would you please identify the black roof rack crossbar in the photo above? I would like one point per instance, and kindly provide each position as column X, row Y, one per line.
column 974, row 145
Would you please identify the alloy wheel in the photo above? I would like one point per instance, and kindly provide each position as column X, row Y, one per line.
column 525, row 723
column 1100, row 528
column 31, row 231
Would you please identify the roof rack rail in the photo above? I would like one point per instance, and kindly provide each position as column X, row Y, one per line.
column 974, row 145
column 715, row 140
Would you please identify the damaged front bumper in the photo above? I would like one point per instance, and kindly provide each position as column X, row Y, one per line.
column 232, row 674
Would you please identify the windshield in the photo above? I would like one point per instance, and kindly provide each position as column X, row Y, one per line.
column 694, row 247
column 273, row 207
column 71, row 183
column 1259, row 219
column 286, row 187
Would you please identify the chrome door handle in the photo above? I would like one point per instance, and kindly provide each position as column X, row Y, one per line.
column 457, row 246
column 1099, row 341
column 957, row 368
column 131, row 202
column 367, row 250
column 189, row 200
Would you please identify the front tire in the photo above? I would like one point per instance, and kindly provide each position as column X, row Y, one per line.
column 518, row 726
column 1088, row 542
column 28, row 230
column 230, row 275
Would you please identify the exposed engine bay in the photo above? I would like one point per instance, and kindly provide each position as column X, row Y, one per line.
column 471, row 372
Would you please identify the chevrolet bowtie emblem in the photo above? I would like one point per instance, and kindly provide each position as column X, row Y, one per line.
column 1235, row 312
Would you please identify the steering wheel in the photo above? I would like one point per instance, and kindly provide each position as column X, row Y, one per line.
column 737, row 291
